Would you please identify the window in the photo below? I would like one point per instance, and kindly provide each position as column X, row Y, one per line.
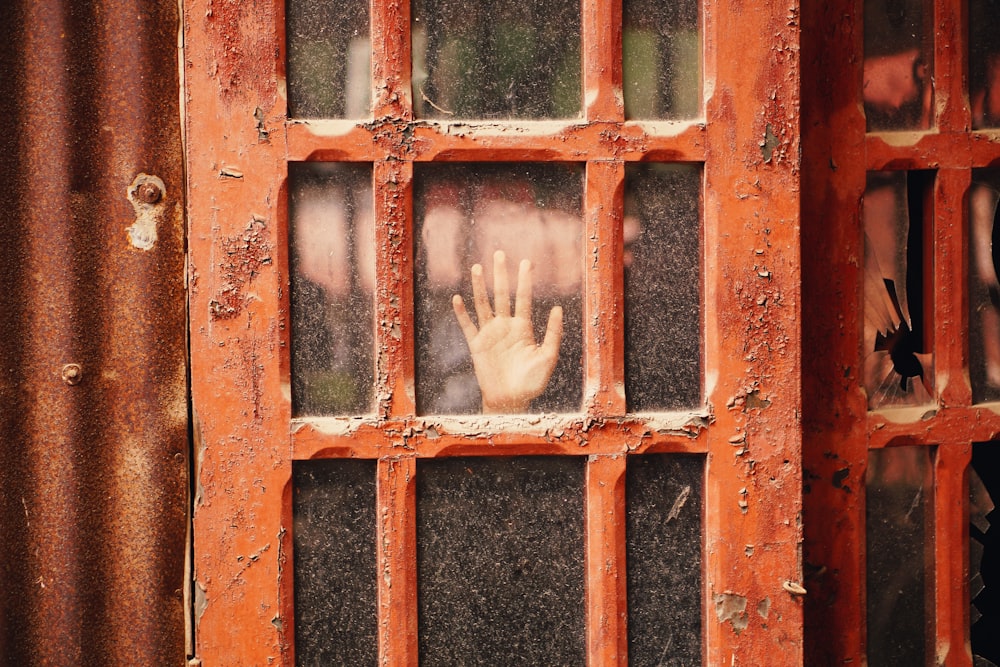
column 363, row 497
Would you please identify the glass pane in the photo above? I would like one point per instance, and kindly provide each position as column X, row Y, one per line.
column 464, row 215
column 335, row 574
column 898, row 366
column 984, row 62
column 899, row 516
column 662, row 287
column 898, row 65
column 984, row 289
column 329, row 58
column 500, row 561
column 664, row 496
column 333, row 274
column 661, row 59
column 502, row 59
column 984, row 553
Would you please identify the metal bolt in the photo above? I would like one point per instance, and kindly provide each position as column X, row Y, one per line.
column 72, row 373
column 149, row 193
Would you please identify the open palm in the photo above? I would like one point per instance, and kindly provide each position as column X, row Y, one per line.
column 512, row 369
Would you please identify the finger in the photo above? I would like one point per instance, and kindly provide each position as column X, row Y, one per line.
column 479, row 298
column 553, row 334
column 501, row 285
column 522, row 301
column 464, row 321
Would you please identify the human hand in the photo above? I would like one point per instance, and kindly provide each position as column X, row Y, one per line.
column 510, row 367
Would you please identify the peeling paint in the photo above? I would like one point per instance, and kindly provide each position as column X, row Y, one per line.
column 732, row 608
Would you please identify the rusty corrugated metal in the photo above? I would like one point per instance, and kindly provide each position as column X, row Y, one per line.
column 93, row 416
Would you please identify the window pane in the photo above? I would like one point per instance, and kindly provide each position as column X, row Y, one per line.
column 984, row 62
column 329, row 58
column 898, row 65
column 664, row 496
column 662, row 287
column 984, row 289
column 500, row 561
column 984, row 552
column 502, row 59
column 661, row 59
column 334, row 541
column 899, row 515
column 898, row 366
column 464, row 214
column 333, row 274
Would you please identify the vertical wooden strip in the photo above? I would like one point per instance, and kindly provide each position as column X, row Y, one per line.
column 394, row 347
column 607, row 605
column 602, row 60
column 604, row 321
column 951, row 556
column 391, row 95
column 950, row 292
column 951, row 51
column 397, row 561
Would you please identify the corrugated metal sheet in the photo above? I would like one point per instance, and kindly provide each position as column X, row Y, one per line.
column 93, row 408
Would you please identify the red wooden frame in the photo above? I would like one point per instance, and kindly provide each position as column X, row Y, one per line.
column 748, row 142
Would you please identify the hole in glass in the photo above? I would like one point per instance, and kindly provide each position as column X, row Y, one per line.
column 504, row 59
column 332, row 240
column 898, row 368
column 329, row 58
column 520, row 352
column 898, row 64
column 662, row 259
column 661, row 59
column 899, row 514
column 984, row 553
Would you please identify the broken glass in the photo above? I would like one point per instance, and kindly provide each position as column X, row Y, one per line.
column 899, row 516
column 329, row 59
column 898, row 63
column 663, row 315
column 661, row 59
column 331, row 234
column 507, row 59
column 984, row 289
column 984, row 62
column 984, row 549
column 528, row 344
column 500, row 561
column 898, row 369
column 333, row 531
column 664, row 496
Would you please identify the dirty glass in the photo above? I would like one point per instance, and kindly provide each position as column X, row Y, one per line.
column 662, row 259
column 899, row 514
column 984, row 62
column 465, row 213
column 333, row 531
column 661, row 59
column 664, row 496
column 506, row 59
column 984, row 553
column 984, row 289
column 329, row 58
column 500, row 561
column 898, row 64
column 331, row 235
column 897, row 364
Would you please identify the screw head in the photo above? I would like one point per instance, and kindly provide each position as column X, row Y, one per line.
column 149, row 193
column 72, row 373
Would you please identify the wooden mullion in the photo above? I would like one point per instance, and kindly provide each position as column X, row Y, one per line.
column 602, row 60
column 951, row 50
column 391, row 72
column 607, row 606
column 949, row 286
column 604, row 345
column 394, row 343
column 396, row 536
column 950, row 555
